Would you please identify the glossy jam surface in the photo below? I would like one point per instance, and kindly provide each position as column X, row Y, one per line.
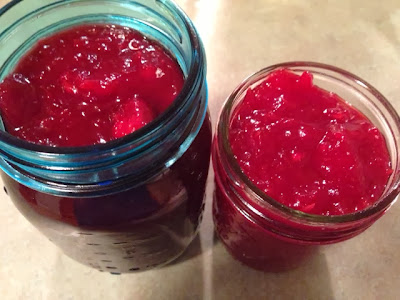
column 307, row 148
column 89, row 85
column 109, row 80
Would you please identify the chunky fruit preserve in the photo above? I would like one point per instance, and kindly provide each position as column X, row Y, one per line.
column 106, row 79
column 307, row 148
column 307, row 151
column 91, row 84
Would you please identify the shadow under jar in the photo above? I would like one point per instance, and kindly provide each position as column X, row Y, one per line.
column 267, row 235
column 133, row 203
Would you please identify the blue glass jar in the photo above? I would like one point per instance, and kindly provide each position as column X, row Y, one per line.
column 133, row 203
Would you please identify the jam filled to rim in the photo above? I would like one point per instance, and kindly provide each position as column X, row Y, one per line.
column 307, row 148
column 91, row 84
column 88, row 85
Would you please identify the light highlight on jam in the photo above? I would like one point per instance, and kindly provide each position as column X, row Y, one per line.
column 88, row 85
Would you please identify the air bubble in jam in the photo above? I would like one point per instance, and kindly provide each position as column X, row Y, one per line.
column 309, row 150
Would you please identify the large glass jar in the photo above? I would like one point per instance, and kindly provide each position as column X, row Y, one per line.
column 133, row 203
column 264, row 234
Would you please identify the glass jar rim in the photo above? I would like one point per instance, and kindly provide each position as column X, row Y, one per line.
column 264, row 199
column 189, row 83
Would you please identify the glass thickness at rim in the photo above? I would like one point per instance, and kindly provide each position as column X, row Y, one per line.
column 259, row 195
column 187, row 89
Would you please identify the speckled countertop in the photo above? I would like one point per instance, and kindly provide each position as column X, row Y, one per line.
column 241, row 37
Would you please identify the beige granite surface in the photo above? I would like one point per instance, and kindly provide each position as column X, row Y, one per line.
column 241, row 37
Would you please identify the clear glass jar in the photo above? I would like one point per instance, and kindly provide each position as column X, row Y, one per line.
column 133, row 203
column 261, row 232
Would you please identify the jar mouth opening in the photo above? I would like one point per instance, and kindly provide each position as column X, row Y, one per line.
column 262, row 198
column 187, row 90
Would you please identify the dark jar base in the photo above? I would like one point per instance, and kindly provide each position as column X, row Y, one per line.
column 252, row 245
column 138, row 229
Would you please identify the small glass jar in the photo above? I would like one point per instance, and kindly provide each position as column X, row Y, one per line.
column 261, row 232
column 133, row 203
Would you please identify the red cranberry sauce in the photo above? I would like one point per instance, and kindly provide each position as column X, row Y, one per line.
column 307, row 148
column 91, row 84
column 109, row 80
